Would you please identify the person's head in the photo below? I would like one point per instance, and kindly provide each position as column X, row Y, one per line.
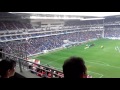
column 74, row 67
column 7, row 68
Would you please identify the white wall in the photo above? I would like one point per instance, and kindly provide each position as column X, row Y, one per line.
column 48, row 22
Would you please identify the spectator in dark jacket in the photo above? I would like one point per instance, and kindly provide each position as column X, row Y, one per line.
column 7, row 68
column 74, row 67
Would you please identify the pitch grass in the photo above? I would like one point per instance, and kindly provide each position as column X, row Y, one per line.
column 101, row 63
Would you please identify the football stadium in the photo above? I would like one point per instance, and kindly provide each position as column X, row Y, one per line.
column 41, row 42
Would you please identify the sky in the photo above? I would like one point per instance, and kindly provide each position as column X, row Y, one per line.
column 99, row 14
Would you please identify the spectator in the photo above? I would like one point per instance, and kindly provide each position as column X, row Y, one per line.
column 7, row 68
column 74, row 67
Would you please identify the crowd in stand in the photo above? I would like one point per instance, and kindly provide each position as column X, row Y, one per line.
column 36, row 45
column 112, row 31
column 14, row 25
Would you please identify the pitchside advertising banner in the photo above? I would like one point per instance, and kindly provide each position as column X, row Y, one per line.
column 33, row 60
column 113, row 38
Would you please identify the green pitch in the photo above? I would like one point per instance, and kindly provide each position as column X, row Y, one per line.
column 100, row 62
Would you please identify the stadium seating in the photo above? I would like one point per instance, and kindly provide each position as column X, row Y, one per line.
column 36, row 45
column 74, row 31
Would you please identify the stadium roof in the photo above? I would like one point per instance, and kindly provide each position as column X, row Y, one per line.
column 66, row 15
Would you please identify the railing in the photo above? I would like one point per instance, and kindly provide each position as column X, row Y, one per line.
column 38, row 69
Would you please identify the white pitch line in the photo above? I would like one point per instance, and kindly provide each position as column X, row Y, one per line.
column 85, row 61
column 104, row 65
column 98, row 63
column 55, row 60
column 101, row 75
column 107, row 65
column 95, row 72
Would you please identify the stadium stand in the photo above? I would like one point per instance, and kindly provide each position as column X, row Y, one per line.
column 37, row 39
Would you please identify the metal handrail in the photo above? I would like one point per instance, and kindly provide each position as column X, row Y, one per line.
column 21, row 60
